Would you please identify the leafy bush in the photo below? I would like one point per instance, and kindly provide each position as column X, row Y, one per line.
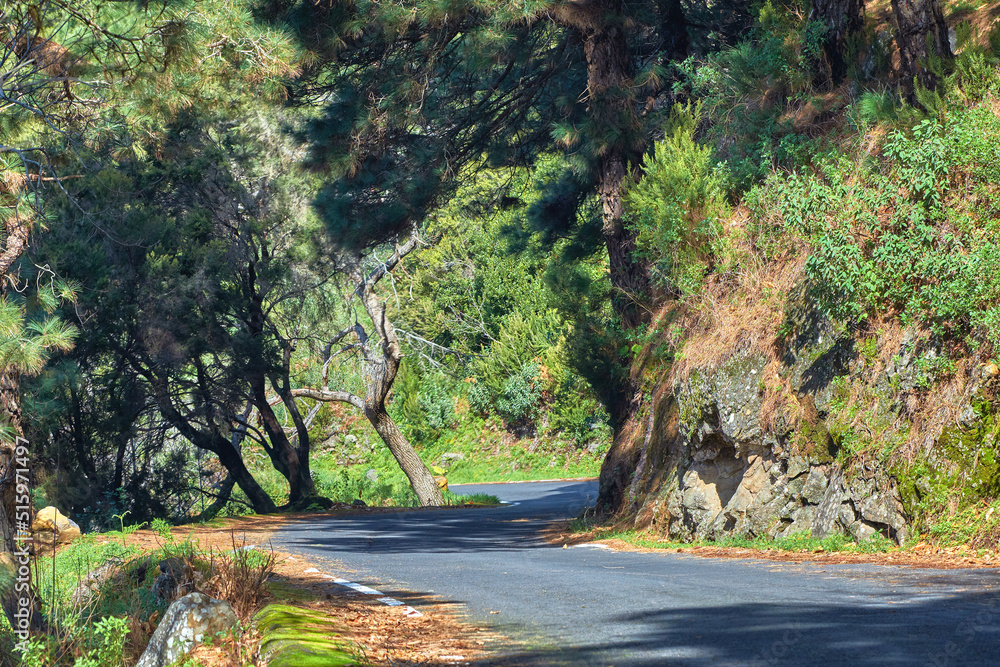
column 522, row 338
column 480, row 399
column 893, row 233
column 437, row 405
column 579, row 417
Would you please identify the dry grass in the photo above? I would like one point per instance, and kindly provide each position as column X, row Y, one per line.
column 982, row 19
column 240, row 577
column 739, row 314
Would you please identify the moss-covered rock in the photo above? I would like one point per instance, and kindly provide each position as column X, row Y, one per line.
column 297, row 637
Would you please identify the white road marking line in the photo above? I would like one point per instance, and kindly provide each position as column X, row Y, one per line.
column 362, row 589
column 392, row 602
column 384, row 599
column 591, row 545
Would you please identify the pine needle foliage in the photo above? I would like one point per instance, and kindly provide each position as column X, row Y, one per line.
column 674, row 207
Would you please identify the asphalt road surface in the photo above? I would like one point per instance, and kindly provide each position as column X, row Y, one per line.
column 591, row 606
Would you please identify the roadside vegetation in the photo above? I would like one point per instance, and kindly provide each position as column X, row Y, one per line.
column 110, row 591
column 800, row 542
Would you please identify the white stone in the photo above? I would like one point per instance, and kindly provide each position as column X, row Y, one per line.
column 189, row 621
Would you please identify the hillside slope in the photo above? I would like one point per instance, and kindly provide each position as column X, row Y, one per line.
column 833, row 370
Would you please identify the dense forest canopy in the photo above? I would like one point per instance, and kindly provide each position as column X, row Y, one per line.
column 239, row 234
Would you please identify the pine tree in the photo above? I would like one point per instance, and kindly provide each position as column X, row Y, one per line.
column 55, row 55
column 922, row 38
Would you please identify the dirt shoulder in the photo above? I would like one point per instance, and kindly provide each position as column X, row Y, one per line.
column 922, row 555
column 383, row 635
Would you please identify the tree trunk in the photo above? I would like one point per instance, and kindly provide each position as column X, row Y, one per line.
column 286, row 459
column 380, row 373
column 610, row 106
column 15, row 470
column 210, row 441
column 921, row 34
column 842, row 18
column 225, row 492
column 609, row 81
column 10, row 411
column 381, row 367
column 673, row 30
column 284, row 456
column 423, row 483
column 233, row 462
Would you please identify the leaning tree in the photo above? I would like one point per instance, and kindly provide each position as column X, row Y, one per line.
column 380, row 354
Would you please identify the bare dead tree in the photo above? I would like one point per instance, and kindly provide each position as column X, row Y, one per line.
column 380, row 354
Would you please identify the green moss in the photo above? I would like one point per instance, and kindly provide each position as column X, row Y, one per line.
column 814, row 442
column 974, row 450
column 690, row 403
column 295, row 637
column 961, row 471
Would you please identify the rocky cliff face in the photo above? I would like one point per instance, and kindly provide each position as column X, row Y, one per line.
column 744, row 446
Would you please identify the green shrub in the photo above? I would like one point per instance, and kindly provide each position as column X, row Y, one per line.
column 747, row 89
column 109, row 636
column 576, row 415
column 518, row 400
column 892, row 234
column 437, row 405
column 480, row 399
column 672, row 209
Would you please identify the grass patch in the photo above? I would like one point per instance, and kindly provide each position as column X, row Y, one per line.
column 800, row 542
column 471, row 499
column 98, row 594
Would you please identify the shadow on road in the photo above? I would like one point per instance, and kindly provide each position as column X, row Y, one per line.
column 961, row 630
column 442, row 531
column 687, row 611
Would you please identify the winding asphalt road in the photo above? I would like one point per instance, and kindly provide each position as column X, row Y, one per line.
column 589, row 606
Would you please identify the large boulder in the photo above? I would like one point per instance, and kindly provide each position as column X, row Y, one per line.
column 189, row 621
column 51, row 526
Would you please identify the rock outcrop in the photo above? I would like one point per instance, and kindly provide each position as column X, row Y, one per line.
column 747, row 445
